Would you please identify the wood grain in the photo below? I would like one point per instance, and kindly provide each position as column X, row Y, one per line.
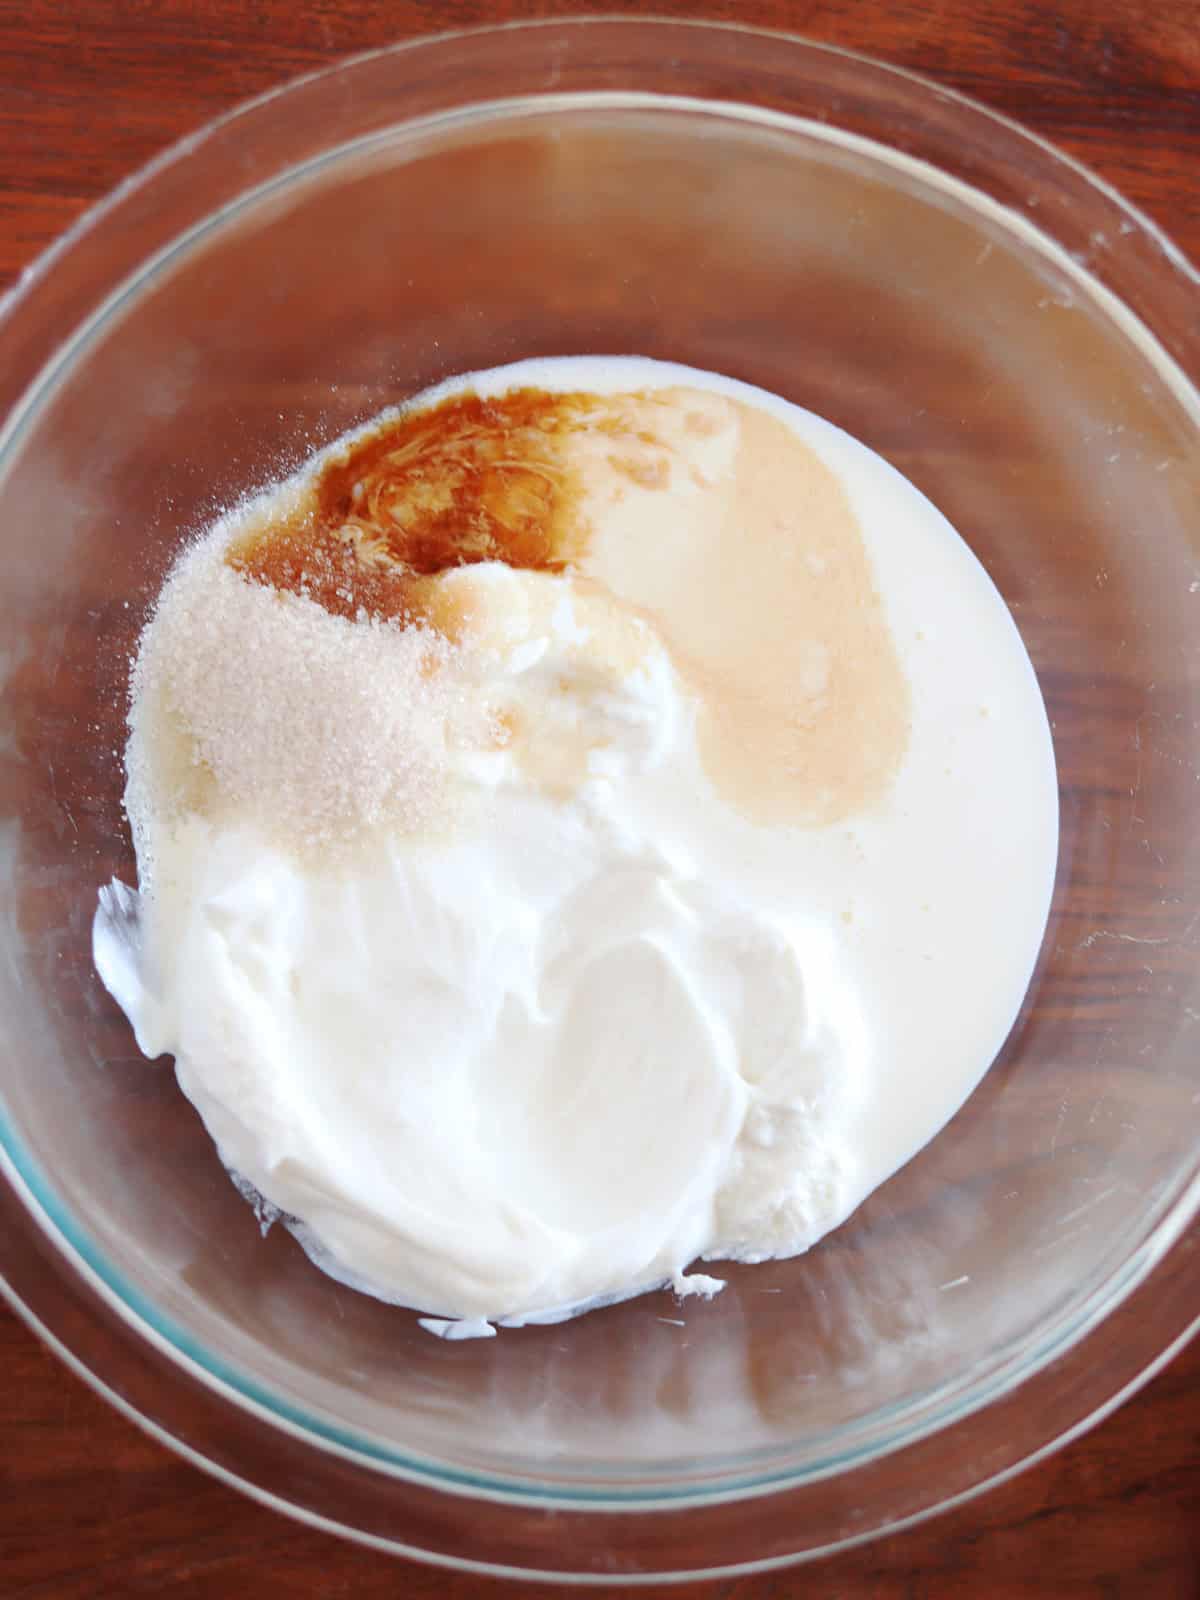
column 89, row 1507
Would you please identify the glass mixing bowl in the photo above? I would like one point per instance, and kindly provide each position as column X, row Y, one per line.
column 997, row 323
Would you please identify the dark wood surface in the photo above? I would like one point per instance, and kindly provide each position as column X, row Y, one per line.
column 90, row 90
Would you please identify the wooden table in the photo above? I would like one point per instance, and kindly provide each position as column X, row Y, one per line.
column 89, row 91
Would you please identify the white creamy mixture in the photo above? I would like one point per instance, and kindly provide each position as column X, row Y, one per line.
column 523, row 963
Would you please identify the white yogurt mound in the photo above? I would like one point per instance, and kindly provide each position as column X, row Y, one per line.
column 517, row 1047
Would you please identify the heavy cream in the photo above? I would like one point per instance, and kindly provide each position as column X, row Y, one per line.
column 646, row 889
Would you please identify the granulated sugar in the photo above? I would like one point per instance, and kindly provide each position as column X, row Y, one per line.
column 259, row 704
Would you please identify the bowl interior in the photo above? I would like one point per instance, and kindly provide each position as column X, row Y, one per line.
column 948, row 336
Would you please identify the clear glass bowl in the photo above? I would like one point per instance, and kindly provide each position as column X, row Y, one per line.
column 975, row 307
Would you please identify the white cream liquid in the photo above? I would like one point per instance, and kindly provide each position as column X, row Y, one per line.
column 555, row 1054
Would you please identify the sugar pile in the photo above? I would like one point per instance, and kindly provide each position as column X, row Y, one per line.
column 250, row 702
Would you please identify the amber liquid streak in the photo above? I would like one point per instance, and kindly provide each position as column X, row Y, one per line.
column 762, row 590
column 466, row 481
